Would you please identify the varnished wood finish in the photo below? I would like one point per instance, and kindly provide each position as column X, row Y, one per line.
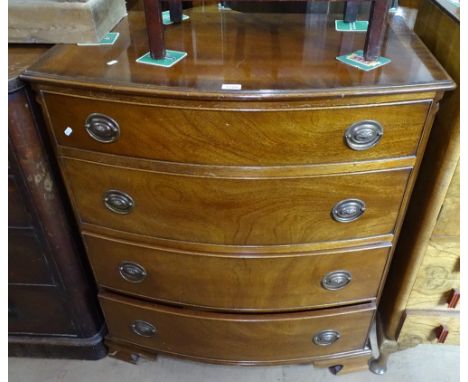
column 434, row 293
column 49, row 292
column 233, row 190
column 237, row 337
column 237, row 212
column 235, row 249
column 281, row 60
column 428, row 251
column 18, row 216
column 422, row 326
column 240, row 281
column 227, row 137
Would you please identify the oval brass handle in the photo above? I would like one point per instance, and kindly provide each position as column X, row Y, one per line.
column 118, row 202
column 132, row 272
column 143, row 328
column 348, row 210
column 102, row 128
column 336, row 280
column 363, row 135
column 326, row 337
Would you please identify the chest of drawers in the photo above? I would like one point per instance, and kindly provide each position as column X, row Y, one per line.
column 246, row 227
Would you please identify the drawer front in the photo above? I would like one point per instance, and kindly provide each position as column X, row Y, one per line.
column 237, row 337
column 426, row 326
column 235, row 211
column 233, row 137
column 238, row 282
column 430, row 293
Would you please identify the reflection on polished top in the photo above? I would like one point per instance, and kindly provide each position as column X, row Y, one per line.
column 269, row 55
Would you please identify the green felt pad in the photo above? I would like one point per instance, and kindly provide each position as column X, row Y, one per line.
column 356, row 59
column 108, row 39
column 172, row 57
column 357, row 26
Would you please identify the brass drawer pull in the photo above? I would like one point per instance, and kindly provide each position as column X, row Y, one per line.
column 102, row 128
column 132, row 272
column 326, row 337
column 118, row 202
column 363, row 135
column 336, row 280
column 143, row 328
column 348, row 210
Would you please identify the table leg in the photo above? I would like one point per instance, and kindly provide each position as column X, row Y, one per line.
column 351, row 11
column 154, row 28
column 175, row 10
column 376, row 30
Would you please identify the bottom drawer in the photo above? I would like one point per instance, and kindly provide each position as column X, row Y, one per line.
column 243, row 338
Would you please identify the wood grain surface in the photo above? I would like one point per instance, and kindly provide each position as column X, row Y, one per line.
column 241, row 137
column 236, row 211
column 237, row 337
column 243, row 281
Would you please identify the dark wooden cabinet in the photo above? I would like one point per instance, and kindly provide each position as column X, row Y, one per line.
column 52, row 309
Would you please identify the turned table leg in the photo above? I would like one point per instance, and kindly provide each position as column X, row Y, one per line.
column 155, row 28
column 376, row 30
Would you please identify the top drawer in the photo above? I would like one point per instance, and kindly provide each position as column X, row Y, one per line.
column 226, row 137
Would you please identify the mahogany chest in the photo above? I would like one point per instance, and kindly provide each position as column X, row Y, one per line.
column 248, row 226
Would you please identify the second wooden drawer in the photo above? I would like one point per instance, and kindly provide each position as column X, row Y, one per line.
column 241, row 281
column 268, row 211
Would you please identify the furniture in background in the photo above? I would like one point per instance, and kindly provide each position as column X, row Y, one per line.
column 52, row 308
column 420, row 303
column 252, row 223
column 59, row 21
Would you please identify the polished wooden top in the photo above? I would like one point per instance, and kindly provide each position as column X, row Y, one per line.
column 269, row 55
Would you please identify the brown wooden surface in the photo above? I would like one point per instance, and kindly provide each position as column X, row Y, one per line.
column 237, row 337
column 436, row 174
column 250, row 137
column 39, row 310
column 431, row 293
column 236, row 211
column 270, row 56
column 230, row 207
column 18, row 215
column 49, row 294
column 27, row 263
column 422, row 326
column 241, row 281
column 22, row 56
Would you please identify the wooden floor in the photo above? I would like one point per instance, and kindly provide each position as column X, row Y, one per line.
column 425, row 363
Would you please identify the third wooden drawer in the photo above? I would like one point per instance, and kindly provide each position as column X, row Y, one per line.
column 243, row 281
